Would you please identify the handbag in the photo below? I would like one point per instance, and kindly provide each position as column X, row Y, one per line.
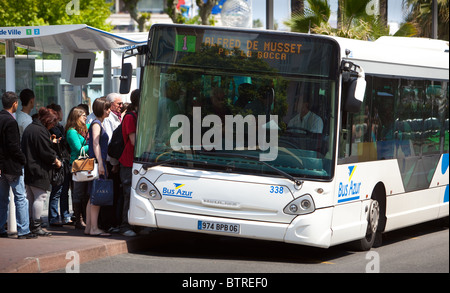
column 102, row 193
column 84, row 168
column 57, row 175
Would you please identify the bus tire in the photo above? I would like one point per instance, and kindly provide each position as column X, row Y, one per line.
column 372, row 234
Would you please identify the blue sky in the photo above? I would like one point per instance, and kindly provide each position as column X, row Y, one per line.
column 281, row 10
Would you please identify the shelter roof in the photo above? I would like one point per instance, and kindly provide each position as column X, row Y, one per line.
column 66, row 38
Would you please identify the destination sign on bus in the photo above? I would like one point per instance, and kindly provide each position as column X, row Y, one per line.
column 260, row 49
column 226, row 48
column 266, row 49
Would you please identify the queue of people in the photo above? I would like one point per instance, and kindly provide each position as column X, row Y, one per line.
column 36, row 157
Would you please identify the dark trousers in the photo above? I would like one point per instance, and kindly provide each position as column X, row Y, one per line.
column 126, row 177
column 59, row 201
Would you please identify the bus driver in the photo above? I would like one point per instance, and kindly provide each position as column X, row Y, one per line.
column 305, row 119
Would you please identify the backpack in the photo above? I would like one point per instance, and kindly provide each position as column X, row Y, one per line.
column 117, row 144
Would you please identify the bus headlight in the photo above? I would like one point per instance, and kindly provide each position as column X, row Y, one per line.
column 300, row 206
column 293, row 208
column 143, row 187
column 146, row 189
column 305, row 204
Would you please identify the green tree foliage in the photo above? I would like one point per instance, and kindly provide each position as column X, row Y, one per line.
column 55, row 12
column 203, row 18
column 317, row 13
column 356, row 21
column 420, row 15
column 140, row 17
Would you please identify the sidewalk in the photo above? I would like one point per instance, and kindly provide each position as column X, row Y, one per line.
column 46, row 254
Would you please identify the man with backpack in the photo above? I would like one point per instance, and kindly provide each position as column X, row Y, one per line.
column 129, row 124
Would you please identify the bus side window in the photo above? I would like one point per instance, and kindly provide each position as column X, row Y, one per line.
column 356, row 135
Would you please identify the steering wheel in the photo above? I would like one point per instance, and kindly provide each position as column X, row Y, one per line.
column 296, row 131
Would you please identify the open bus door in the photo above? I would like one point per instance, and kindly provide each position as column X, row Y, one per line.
column 127, row 68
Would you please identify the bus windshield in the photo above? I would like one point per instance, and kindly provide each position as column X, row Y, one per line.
column 223, row 99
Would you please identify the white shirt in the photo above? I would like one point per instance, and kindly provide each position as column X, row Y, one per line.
column 23, row 119
column 310, row 122
column 110, row 124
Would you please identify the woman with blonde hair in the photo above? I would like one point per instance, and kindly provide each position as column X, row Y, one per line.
column 77, row 138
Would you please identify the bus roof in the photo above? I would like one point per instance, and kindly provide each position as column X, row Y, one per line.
column 388, row 56
column 400, row 56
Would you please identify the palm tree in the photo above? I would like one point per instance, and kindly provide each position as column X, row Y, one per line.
column 420, row 15
column 297, row 6
column 317, row 13
column 354, row 21
column 384, row 11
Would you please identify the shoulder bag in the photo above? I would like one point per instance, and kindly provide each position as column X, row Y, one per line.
column 84, row 168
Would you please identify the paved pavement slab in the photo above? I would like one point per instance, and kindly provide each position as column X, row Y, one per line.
column 46, row 254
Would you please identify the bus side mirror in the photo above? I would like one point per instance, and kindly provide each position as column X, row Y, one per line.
column 354, row 91
column 125, row 78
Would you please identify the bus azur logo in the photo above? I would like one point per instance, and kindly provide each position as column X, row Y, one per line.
column 350, row 190
column 177, row 191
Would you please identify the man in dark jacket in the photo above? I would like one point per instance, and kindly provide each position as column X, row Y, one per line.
column 12, row 161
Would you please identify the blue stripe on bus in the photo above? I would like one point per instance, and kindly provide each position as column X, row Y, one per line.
column 348, row 199
column 446, row 194
column 444, row 165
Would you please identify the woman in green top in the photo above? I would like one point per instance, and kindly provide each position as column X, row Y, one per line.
column 77, row 137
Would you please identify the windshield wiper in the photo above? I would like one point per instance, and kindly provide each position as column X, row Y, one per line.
column 298, row 183
column 171, row 161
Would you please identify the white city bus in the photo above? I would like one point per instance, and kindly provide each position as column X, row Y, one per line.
column 290, row 137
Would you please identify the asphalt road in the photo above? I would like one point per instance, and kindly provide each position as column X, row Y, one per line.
column 419, row 249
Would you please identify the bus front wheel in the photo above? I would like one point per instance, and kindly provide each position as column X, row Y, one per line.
column 373, row 219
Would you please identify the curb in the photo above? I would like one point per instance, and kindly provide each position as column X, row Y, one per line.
column 61, row 260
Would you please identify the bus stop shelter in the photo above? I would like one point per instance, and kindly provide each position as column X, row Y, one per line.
column 62, row 39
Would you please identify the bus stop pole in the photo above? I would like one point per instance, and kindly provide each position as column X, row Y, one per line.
column 107, row 80
column 269, row 15
column 10, row 72
column 10, row 66
column 434, row 19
